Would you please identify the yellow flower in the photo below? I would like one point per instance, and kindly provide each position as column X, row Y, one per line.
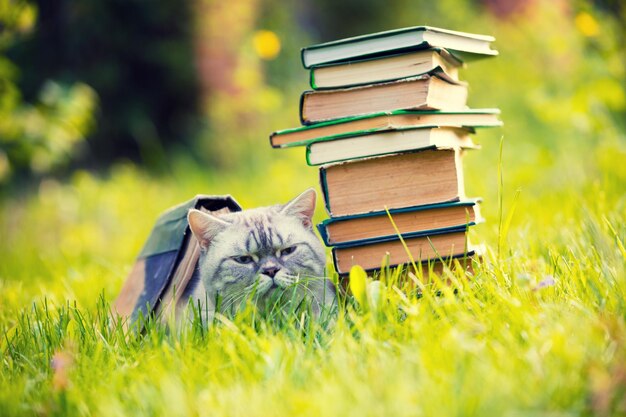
column 586, row 24
column 358, row 279
column 266, row 44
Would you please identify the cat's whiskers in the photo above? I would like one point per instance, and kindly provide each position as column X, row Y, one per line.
column 297, row 284
column 290, row 280
column 308, row 278
column 239, row 296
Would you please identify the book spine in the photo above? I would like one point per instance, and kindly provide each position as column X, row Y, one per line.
column 272, row 141
column 312, row 79
column 321, row 227
column 335, row 263
column 391, row 238
column 324, row 188
column 302, row 98
column 308, row 155
column 302, row 53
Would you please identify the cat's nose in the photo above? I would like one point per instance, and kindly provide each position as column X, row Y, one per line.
column 270, row 272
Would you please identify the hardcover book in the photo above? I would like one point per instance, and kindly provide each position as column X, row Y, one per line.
column 424, row 92
column 437, row 245
column 410, row 222
column 392, row 181
column 439, row 267
column 465, row 46
column 426, row 269
column 377, row 122
column 385, row 69
column 168, row 259
column 387, row 142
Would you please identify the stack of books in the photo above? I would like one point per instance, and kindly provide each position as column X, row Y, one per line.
column 387, row 122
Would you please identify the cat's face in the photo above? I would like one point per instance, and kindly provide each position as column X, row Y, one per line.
column 262, row 251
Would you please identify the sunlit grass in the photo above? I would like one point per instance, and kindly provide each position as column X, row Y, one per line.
column 539, row 328
column 500, row 342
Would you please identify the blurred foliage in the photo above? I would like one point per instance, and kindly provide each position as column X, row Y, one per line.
column 136, row 55
column 42, row 136
column 213, row 79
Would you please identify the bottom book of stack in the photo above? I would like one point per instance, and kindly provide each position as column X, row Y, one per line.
column 436, row 232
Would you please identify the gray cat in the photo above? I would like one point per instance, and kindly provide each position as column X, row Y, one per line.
column 268, row 253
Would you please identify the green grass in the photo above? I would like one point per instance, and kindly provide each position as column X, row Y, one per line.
column 539, row 329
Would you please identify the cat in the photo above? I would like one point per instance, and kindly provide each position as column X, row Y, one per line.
column 268, row 253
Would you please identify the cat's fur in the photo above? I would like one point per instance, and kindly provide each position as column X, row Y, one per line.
column 267, row 253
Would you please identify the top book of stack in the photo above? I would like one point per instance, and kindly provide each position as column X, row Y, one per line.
column 464, row 46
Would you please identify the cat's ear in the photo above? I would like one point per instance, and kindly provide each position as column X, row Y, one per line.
column 303, row 207
column 205, row 226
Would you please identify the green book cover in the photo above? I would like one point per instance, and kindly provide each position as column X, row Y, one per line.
column 465, row 46
column 370, row 155
column 347, row 120
column 437, row 71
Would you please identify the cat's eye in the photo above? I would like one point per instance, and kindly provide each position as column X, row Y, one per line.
column 287, row 251
column 245, row 259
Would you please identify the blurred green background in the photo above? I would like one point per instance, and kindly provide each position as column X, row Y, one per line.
column 111, row 112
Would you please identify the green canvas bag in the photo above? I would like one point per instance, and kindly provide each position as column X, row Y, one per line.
column 168, row 258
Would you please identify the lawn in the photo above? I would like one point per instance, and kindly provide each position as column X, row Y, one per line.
column 538, row 329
